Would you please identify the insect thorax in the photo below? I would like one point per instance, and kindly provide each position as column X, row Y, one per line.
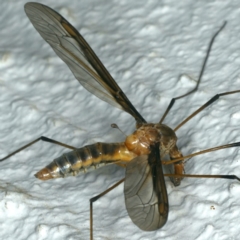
column 146, row 135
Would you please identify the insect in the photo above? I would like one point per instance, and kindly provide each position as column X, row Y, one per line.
column 142, row 151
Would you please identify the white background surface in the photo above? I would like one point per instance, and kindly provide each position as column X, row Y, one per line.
column 146, row 46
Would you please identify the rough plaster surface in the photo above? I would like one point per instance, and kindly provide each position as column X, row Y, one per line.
column 154, row 50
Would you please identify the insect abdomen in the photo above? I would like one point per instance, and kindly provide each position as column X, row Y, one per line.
column 81, row 159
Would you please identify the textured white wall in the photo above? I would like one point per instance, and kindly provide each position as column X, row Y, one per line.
column 146, row 46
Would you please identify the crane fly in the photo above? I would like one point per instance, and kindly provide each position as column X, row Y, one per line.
column 142, row 152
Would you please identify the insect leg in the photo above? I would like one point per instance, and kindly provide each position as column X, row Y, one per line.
column 200, row 75
column 236, row 144
column 45, row 139
column 231, row 177
column 212, row 100
column 94, row 199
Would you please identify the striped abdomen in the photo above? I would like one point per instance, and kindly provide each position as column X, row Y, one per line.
column 81, row 159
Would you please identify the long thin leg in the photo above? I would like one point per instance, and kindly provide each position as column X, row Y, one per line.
column 45, row 139
column 202, row 176
column 212, row 100
column 94, row 199
column 200, row 75
column 236, row 144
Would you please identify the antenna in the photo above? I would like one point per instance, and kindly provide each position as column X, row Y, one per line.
column 114, row 125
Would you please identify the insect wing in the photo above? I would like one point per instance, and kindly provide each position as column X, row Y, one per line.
column 145, row 192
column 72, row 48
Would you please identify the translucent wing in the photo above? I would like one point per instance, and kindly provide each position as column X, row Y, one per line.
column 145, row 192
column 71, row 47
